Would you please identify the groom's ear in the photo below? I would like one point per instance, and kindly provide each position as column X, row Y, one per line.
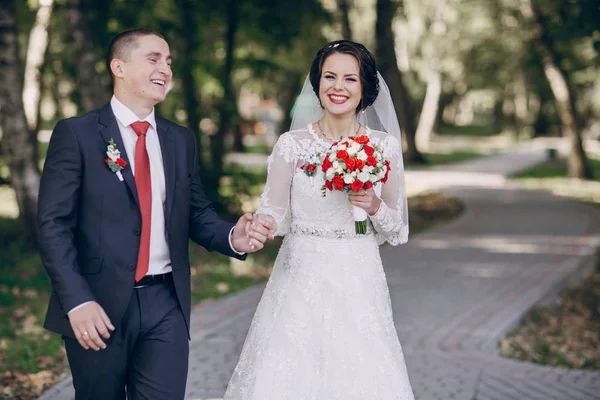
column 116, row 67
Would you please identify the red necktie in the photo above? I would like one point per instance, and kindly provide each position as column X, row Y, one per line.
column 144, row 190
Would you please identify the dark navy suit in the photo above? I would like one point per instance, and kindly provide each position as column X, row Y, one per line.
column 89, row 226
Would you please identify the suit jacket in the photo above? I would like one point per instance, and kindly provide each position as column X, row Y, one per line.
column 89, row 222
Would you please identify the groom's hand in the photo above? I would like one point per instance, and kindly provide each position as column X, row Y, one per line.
column 90, row 324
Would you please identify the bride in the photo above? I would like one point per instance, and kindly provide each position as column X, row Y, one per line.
column 323, row 329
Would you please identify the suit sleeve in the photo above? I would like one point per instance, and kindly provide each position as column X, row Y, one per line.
column 206, row 227
column 57, row 217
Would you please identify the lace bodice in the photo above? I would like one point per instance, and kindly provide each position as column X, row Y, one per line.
column 297, row 204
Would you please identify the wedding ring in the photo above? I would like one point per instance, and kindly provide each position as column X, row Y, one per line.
column 85, row 333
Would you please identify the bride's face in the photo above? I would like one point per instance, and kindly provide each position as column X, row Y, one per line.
column 340, row 89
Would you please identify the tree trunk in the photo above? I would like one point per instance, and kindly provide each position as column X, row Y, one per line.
column 228, row 108
column 36, row 54
column 190, row 88
column 238, row 138
column 578, row 164
column 344, row 9
column 387, row 64
column 288, row 99
column 18, row 144
column 498, row 115
column 429, row 111
column 92, row 92
column 521, row 102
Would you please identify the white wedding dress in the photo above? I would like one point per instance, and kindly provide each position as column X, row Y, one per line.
column 323, row 329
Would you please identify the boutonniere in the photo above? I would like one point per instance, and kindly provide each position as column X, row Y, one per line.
column 310, row 166
column 114, row 160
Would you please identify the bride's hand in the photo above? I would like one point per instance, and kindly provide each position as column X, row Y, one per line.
column 365, row 199
column 264, row 225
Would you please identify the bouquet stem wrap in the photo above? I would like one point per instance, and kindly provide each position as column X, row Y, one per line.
column 360, row 220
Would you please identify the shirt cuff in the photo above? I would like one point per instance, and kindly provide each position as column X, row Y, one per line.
column 79, row 306
column 231, row 244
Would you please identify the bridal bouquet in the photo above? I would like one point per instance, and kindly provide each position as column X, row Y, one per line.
column 353, row 164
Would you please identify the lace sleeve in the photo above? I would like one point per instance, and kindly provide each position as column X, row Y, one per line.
column 275, row 199
column 391, row 220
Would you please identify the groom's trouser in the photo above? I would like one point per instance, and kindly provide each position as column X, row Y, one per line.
column 146, row 355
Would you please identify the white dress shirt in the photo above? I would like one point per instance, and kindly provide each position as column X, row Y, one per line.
column 160, row 259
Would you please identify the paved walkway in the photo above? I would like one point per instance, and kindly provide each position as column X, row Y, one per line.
column 455, row 291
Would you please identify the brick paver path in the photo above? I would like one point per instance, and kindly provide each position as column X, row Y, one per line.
column 455, row 291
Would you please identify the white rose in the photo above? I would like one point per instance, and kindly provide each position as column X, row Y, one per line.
column 374, row 178
column 364, row 176
column 368, row 169
column 336, row 164
column 355, row 148
column 330, row 174
column 362, row 155
column 332, row 157
column 348, row 179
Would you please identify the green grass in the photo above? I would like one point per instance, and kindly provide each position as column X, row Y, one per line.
column 566, row 335
column 259, row 149
column 436, row 159
column 24, row 292
column 557, row 169
column 466, row 130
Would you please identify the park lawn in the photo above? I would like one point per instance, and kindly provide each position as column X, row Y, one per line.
column 557, row 169
column 32, row 359
column 466, row 130
column 436, row 159
column 568, row 334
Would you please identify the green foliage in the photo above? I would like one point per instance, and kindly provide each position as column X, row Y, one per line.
column 557, row 169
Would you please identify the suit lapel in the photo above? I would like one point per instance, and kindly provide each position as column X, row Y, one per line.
column 110, row 130
column 167, row 147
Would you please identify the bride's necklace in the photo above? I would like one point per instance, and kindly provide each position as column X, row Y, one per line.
column 326, row 136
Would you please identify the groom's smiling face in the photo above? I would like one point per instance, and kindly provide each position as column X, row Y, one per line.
column 146, row 72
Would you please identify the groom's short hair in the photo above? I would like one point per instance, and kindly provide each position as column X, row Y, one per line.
column 123, row 43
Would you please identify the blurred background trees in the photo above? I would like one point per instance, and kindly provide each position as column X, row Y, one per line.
column 522, row 68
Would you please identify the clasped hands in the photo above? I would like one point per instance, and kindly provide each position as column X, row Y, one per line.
column 252, row 231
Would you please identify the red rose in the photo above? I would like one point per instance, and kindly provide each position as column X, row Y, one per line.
column 338, row 182
column 107, row 160
column 385, row 178
column 387, row 166
column 342, row 154
column 360, row 164
column 371, row 161
column 121, row 163
column 351, row 164
column 368, row 185
column 326, row 164
column 364, row 139
column 311, row 168
column 328, row 185
column 356, row 185
column 368, row 149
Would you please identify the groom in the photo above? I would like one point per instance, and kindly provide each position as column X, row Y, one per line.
column 114, row 228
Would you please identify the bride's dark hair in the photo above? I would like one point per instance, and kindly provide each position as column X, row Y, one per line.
column 366, row 61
